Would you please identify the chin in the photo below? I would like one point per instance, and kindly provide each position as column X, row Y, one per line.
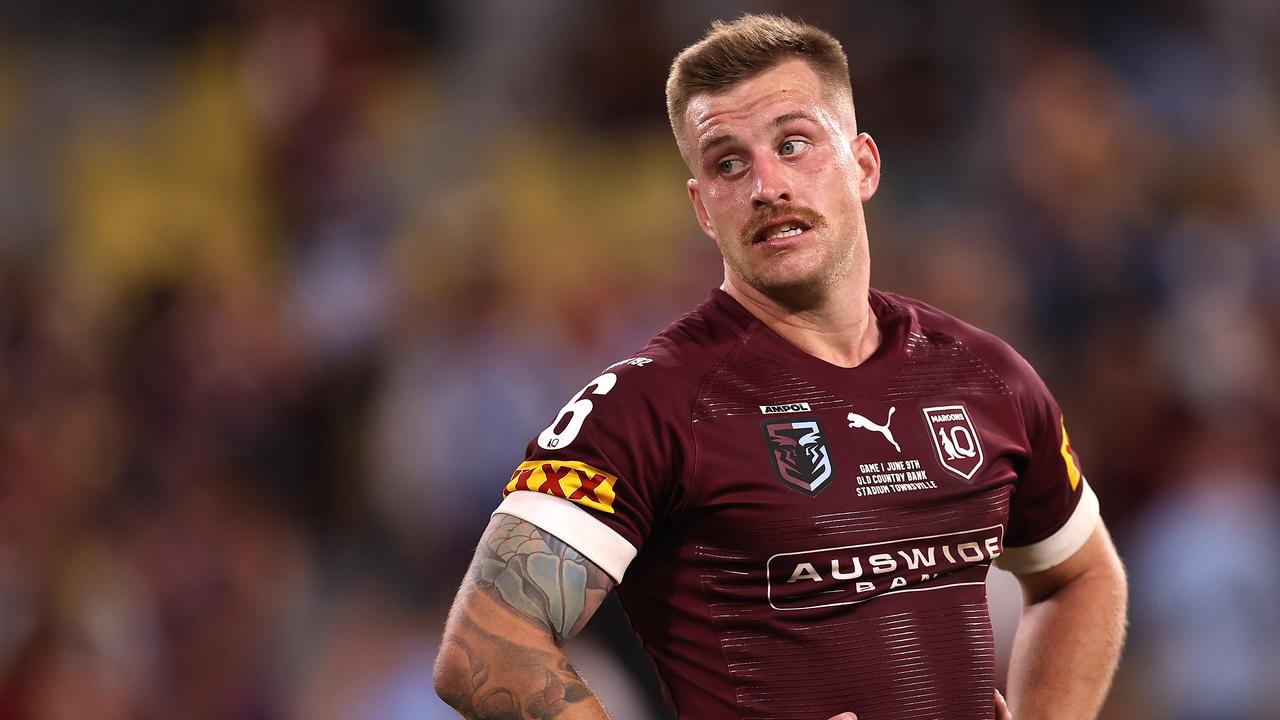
column 796, row 290
column 794, row 271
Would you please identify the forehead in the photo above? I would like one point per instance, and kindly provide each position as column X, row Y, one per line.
column 790, row 85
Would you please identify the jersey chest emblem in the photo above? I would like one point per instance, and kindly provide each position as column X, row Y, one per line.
column 955, row 439
column 862, row 421
column 801, row 458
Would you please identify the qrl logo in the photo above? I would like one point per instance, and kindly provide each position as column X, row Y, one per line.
column 800, row 456
column 955, row 439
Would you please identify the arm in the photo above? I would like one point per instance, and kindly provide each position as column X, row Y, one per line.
column 525, row 594
column 1068, row 643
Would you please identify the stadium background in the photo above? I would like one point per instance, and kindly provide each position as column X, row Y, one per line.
column 285, row 289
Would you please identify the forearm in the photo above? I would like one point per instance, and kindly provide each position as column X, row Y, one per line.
column 1067, row 646
column 518, row 673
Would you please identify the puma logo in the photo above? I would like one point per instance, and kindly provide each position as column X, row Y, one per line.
column 861, row 421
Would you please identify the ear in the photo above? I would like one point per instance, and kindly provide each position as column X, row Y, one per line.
column 868, row 157
column 704, row 220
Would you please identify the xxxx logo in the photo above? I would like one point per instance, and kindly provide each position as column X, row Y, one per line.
column 574, row 481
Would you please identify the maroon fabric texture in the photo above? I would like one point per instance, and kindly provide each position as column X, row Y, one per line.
column 822, row 553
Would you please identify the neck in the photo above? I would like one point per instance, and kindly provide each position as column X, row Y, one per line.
column 839, row 327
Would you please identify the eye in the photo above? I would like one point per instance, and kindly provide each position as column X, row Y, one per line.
column 792, row 146
column 728, row 166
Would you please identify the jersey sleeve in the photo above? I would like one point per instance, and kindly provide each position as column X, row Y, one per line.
column 609, row 466
column 1053, row 510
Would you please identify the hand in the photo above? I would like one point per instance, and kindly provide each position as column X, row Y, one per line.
column 1002, row 708
column 844, row 716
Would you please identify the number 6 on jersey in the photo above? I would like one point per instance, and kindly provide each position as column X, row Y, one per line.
column 574, row 413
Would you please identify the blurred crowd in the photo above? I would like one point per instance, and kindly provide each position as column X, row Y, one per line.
column 286, row 288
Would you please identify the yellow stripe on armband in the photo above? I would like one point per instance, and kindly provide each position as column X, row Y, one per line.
column 574, row 481
column 1073, row 470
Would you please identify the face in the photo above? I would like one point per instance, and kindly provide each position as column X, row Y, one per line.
column 780, row 175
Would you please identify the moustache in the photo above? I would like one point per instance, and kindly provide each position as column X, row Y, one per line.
column 773, row 213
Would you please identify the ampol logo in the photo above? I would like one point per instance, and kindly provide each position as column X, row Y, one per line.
column 955, row 439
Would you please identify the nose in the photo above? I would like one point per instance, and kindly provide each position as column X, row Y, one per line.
column 772, row 183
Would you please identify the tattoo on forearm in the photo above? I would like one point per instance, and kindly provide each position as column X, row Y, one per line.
column 561, row 685
column 538, row 575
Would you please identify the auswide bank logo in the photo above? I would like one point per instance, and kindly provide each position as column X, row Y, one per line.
column 955, row 439
column 850, row 574
column 799, row 453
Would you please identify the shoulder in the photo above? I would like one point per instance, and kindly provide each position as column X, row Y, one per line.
column 676, row 360
column 939, row 327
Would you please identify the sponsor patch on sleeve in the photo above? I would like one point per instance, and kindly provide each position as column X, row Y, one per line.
column 1069, row 455
column 574, row 481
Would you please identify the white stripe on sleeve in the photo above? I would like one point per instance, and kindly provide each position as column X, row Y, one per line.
column 574, row 526
column 1059, row 546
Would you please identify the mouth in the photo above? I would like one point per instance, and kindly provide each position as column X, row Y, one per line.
column 780, row 230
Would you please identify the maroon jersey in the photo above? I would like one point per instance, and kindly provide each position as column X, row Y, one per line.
column 800, row 539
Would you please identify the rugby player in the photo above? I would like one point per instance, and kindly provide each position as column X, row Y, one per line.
column 798, row 488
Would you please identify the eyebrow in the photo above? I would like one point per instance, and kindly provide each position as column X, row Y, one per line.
column 788, row 117
column 713, row 142
column 780, row 120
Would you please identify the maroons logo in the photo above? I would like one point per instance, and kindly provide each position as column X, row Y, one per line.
column 955, row 439
column 799, row 453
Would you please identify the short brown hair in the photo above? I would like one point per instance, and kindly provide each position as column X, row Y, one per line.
column 733, row 52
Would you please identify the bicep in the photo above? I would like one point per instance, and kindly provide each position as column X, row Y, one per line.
column 524, row 595
column 1097, row 557
column 533, row 576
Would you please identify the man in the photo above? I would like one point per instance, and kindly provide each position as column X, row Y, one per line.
column 804, row 481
